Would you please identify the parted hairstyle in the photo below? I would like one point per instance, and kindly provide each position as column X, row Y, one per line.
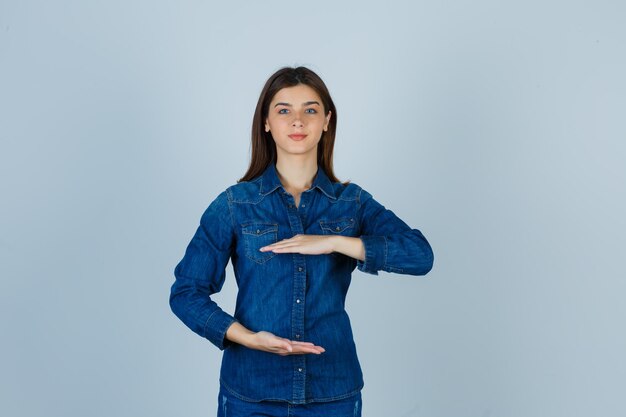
column 263, row 145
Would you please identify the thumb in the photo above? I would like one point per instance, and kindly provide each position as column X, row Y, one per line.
column 286, row 344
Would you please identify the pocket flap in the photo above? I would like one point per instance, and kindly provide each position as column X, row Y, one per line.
column 336, row 226
column 258, row 229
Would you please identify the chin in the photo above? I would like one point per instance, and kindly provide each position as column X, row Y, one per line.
column 298, row 151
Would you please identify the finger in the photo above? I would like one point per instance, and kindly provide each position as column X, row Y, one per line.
column 292, row 244
column 308, row 344
column 299, row 352
column 297, row 239
column 271, row 247
column 305, row 352
column 288, row 249
column 317, row 347
column 282, row 249
column 281, row 244
column 307, row 349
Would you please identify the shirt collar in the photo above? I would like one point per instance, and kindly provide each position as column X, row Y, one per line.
column 270, row 181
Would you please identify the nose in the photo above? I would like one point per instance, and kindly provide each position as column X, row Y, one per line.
column 297, row 121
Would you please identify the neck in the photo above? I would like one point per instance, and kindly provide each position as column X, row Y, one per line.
column 296, row 173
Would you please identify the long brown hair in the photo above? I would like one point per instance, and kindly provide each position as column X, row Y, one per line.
column 263, row 145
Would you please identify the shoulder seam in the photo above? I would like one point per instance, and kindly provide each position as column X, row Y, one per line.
column 230, row 209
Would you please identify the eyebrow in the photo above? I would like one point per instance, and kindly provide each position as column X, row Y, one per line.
column 306, row 103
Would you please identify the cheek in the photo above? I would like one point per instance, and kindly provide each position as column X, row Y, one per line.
column 318, row 125
column 278, row 123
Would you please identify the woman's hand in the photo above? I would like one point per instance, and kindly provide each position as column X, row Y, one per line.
column 319, row 245
column 305, row 244
column 269, row 342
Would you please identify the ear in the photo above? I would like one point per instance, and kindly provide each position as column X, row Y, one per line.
column 327, row 121
column 267, row 126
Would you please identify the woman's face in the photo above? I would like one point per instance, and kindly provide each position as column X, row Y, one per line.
column 296, row 120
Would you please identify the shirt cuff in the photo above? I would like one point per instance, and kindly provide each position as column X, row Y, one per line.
column 216, row 326
column 375, row 254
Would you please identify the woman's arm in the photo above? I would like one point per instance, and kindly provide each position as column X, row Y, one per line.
column 386, row 243
column 390, row 244
column 201, row 273
column 350, row 246
column 319, row 245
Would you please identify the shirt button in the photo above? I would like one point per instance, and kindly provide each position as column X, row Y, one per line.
column 337, row 228
column 302, row 205
column 298, row 301
column 297, row 336
column 300, row 268
column 299, row 369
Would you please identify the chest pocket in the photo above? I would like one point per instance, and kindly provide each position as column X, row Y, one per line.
column 255, row 236
column 344, row 227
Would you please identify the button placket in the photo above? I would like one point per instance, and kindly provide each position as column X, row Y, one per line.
column 298, row 307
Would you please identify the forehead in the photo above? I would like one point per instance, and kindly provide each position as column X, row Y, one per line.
column 296, row 95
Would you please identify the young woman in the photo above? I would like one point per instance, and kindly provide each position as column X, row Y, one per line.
column 294, row 234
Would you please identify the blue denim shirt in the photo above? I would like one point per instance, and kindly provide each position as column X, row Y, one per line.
column 295, row 296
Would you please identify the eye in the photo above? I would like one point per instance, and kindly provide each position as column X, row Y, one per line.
column 313, row 111
column 282, row 111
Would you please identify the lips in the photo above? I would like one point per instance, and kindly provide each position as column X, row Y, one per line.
column 297, row 136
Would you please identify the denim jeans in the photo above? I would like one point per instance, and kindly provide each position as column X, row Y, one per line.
column 231, row 406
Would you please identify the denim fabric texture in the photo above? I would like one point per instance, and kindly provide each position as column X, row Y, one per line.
column 295, row 296
column 231, row 406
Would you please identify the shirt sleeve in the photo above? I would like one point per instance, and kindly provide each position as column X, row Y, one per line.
column 390, row 244
column 201, row 273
